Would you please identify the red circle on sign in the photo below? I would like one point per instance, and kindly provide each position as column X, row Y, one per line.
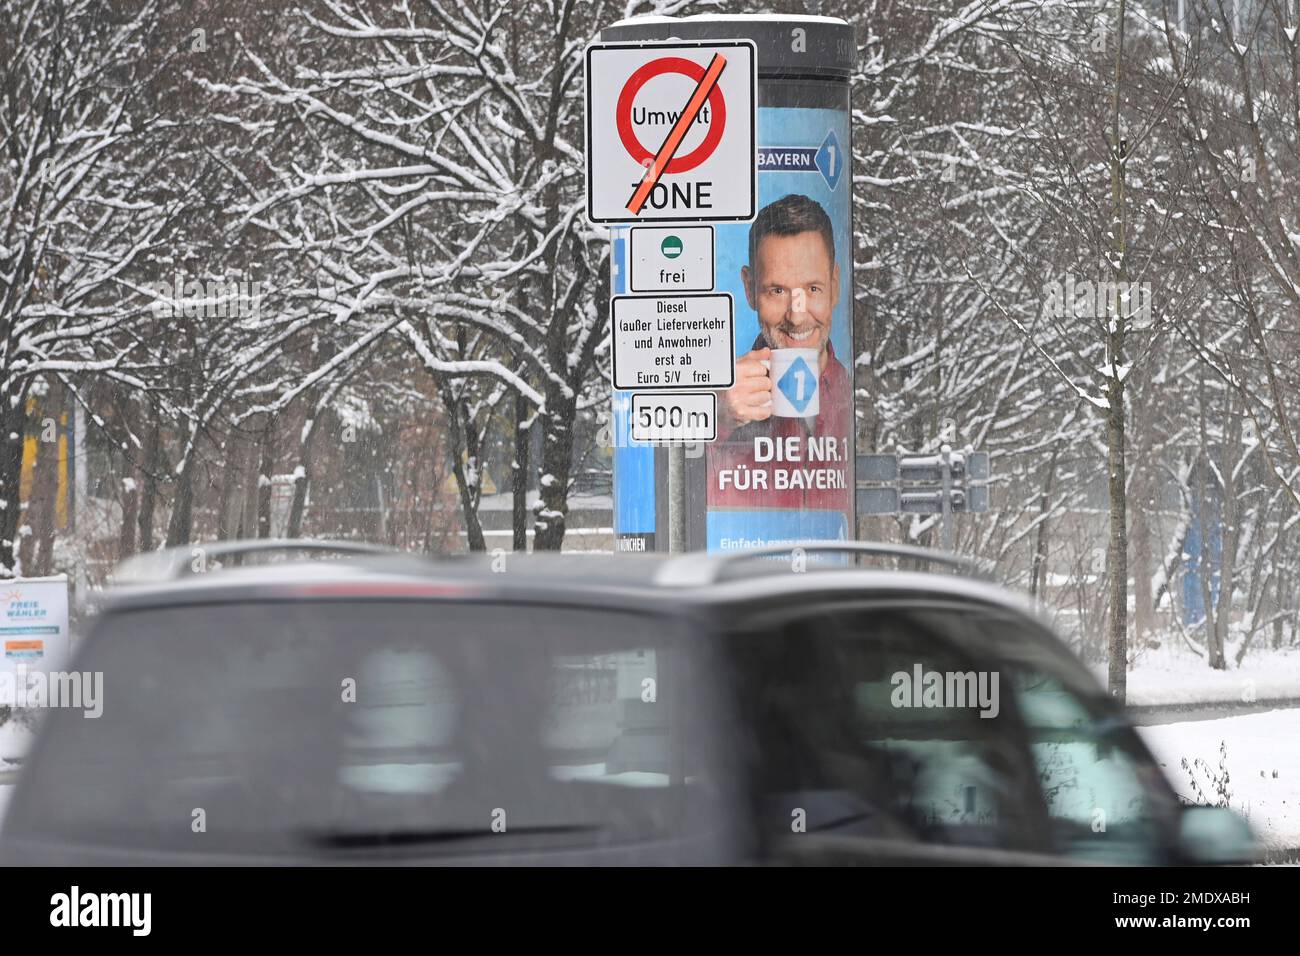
column 623, row 114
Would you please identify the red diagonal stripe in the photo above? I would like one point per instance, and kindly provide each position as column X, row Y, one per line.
column 669, row 148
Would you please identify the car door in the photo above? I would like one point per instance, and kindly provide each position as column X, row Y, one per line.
column 1105, row 797
column 879, row 732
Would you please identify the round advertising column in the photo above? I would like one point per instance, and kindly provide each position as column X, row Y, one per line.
column 785, row 471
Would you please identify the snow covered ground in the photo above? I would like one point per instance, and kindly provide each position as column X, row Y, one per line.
column 14, row 740
column 1173, row 675
column 1263, row 767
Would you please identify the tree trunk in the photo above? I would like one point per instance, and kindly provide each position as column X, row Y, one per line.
column 550, row 520
column 1039, row 562
column 318, row 405
column 1117, row 547
column 1280, row 592
column 1213, row 650
column 13, row 422
column 1230, row 535
column 1205, row 560
column 301, row 483
column 464, row 436
column 251, row 496
column 130, row 512
column 231, row 500
column 45, row 499
column 557, row 460
column 1143, row 559
column 519, row 469
column 180, row 528
column 38, row 520
column 302, row 475
column 265, row 467
column 151, row 458
column 1117, row 544
column 473, row 524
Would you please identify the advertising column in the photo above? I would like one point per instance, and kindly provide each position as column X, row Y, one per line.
column 781, row 468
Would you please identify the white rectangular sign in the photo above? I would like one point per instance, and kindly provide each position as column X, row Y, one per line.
column 638, row 94
column 34, row 623
column 670, row 259
column 673, row 341
column 675, row 417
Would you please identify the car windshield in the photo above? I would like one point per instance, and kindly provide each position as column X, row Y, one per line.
column 344, row 725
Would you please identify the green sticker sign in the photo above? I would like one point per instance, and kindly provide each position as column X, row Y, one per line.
column 677, row 258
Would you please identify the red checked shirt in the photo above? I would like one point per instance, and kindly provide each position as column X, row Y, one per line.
column 817, row 480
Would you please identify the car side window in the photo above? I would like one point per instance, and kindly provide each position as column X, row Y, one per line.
column 1105, row 800
column 876, row 722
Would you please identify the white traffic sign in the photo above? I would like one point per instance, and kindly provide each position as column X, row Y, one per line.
column 671, row 131
column 674, row 417
column 673, row 341
column 670, row 259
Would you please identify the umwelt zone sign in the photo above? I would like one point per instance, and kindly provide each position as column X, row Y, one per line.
column 671, row 131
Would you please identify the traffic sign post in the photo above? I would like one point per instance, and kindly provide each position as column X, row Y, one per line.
column 908, row 467
column 945, row 504
column 904, row 483
column 672, row 138
column 673, row 124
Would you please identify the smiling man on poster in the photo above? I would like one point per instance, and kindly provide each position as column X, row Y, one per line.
column 780, row 469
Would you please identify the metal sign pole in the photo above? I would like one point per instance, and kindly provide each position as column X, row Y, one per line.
column 947, row 499
column 676, row 498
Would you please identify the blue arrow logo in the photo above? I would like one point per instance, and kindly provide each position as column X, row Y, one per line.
column 830, row 159
column 798, row 384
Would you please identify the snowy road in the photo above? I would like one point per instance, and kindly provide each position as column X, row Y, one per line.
column 1152, row 715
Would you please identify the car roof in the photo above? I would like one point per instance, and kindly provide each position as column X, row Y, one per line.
column 665, row 583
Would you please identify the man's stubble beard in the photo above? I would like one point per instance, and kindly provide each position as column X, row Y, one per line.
column 769, row 339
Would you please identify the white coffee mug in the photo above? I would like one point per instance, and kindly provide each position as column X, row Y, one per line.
column 795, row 377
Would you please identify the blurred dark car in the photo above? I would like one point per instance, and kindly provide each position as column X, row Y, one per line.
column 589, row 710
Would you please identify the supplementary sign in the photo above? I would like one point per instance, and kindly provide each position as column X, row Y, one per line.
column 670, row 259
column 673, row 341
column 670, row 131
column 676, row 417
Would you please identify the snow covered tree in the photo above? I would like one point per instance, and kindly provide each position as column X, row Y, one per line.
column 442, row 203
column 78, row 158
